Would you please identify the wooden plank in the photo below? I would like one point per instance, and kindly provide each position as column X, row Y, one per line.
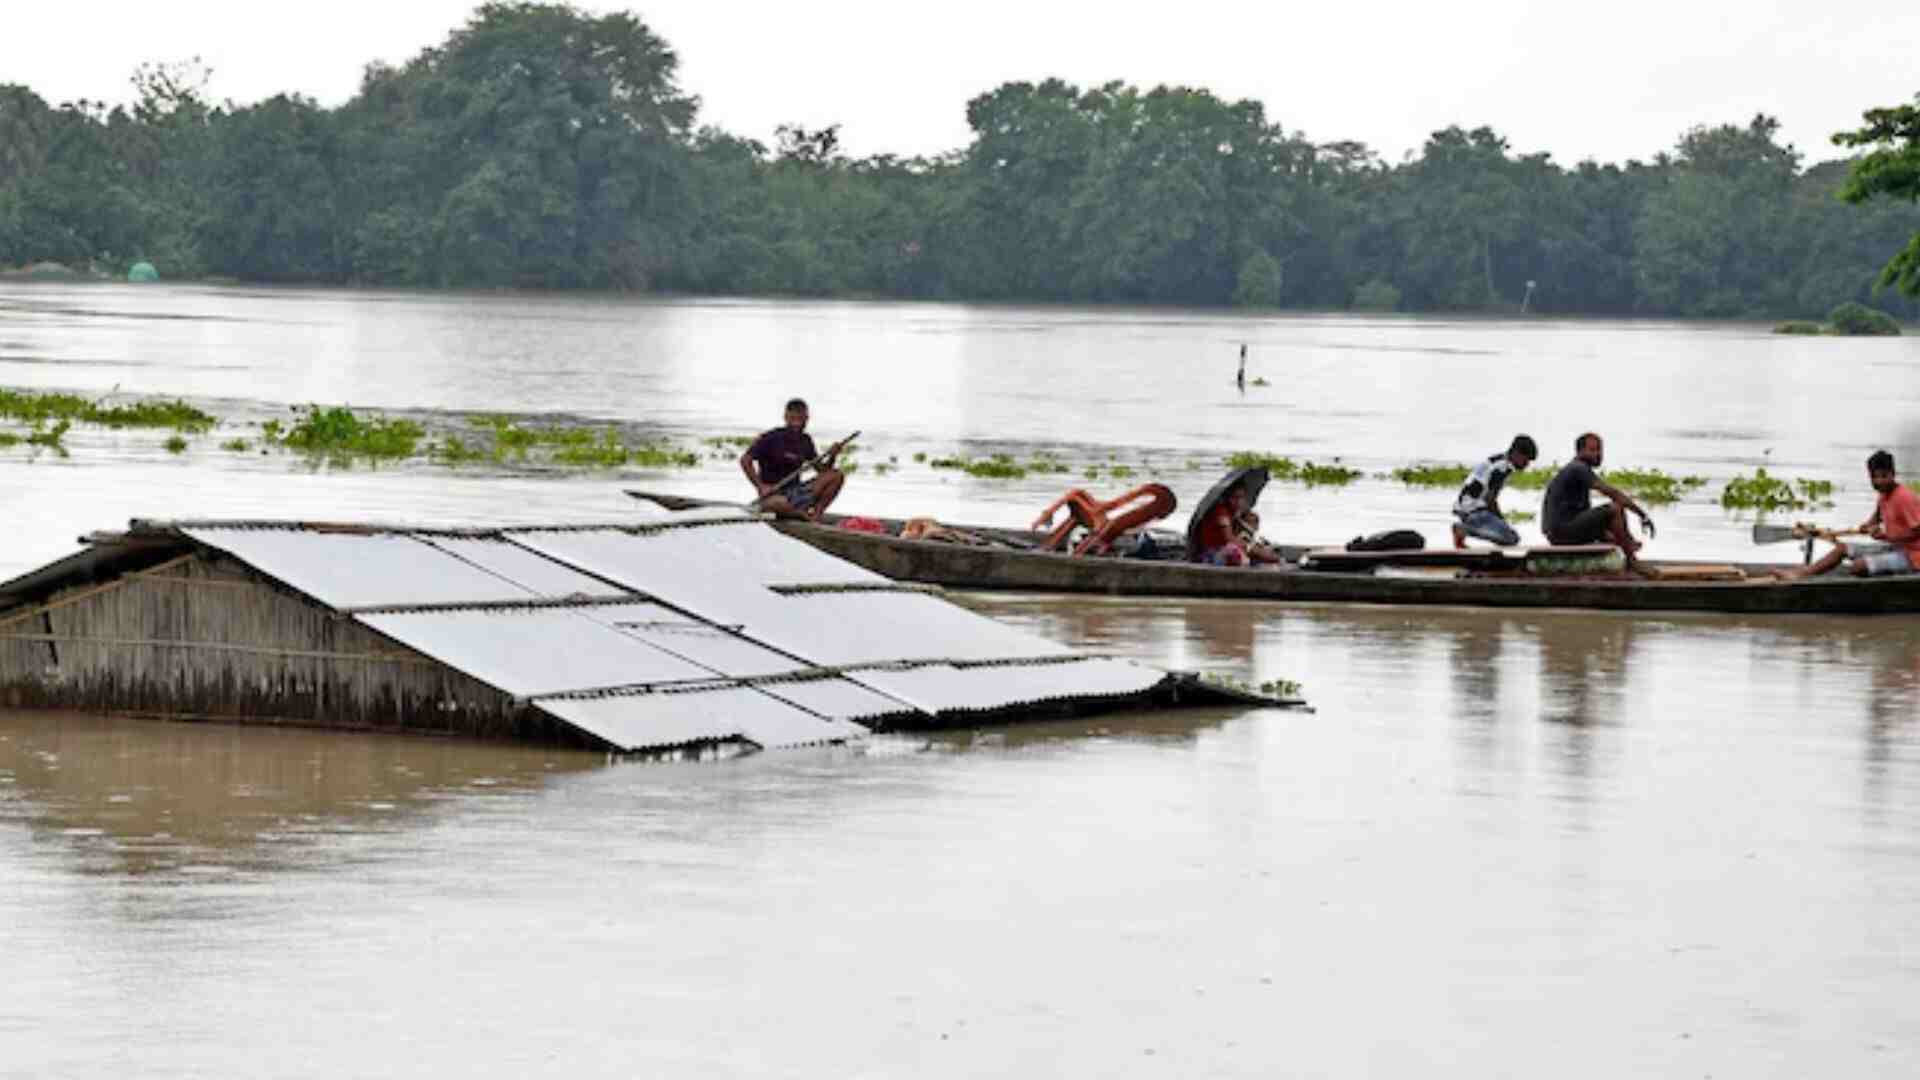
column 1697, row 572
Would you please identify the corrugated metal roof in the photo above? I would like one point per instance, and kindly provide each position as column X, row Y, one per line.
column 711, row 646
column 536, row 651
column 841, row 699
column 751, row 553
column 750, row 550
column 538, row 575
column 646, row 721
column 346, row 570
column 838, row 629
column 944, row 689
column 827, row 628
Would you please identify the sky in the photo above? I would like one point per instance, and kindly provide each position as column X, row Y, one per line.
column 1607, row 82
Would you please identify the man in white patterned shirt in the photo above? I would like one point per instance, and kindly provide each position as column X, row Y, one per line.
column 1477, row 509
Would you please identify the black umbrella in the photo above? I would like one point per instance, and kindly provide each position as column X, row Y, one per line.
column 1253, row 479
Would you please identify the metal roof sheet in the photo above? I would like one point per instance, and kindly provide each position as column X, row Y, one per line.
column 836, row 629
column 708, row 587
column 751, row 552
column 943, row 689
column 828, row 628
column 647, row 721
column 535, row 573
column 348, row 570
column 709, row 646
column 535, row 651
column 841, row 699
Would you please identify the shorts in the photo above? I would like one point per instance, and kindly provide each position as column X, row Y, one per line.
column 1881, row 560
column 798, row 495
column 1487, row 525
column 1589, row 526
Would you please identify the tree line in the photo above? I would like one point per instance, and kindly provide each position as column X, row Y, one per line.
column 540, row 146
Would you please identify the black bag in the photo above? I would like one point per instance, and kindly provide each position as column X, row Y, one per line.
column 1391, row 540
column 1150, row 547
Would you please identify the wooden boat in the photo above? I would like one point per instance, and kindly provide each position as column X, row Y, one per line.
column 1008, row 559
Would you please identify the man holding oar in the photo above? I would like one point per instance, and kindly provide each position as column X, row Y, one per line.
column 1894, row 526
column 776, row 459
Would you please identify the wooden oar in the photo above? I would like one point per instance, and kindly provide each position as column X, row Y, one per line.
column 803, row 467
column 1775, row 534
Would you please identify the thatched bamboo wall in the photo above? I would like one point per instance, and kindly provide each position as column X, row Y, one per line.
column 203, row 637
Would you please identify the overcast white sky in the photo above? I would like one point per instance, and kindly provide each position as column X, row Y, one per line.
column 1607, row 81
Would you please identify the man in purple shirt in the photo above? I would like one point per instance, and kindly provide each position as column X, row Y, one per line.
column 774, row 462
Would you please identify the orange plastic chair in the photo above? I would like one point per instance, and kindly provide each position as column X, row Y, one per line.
column 1148, row 502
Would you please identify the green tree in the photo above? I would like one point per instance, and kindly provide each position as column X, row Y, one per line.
column 1710, row 239
column 1891, row 168
column 538, row 145
column 272, row 191
column 1259, row 284
column 1457, row 210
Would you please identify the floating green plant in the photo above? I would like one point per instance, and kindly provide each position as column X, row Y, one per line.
column 176, row 444
column 50, row 437
column 997, row 467
column 1335, row 475
column 337, row 431
column 1275, row 464
column 1280, row 467
column 453, row 450
column 1521, row 516
column 1432, row 476
column 238, row 446
column 1653, row 485
column 1273, row 688
column 1535, row 478
column 1763, row 491
column 36, row 408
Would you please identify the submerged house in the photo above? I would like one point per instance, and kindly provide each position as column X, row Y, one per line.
column 689, row 632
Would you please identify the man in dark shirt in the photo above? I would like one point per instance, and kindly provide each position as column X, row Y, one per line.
column 774, row 462
column 1567, row 516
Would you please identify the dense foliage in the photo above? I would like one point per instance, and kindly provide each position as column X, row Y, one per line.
column 1891, row 168
column 542, row 146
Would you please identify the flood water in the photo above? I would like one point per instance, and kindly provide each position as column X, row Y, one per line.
column 1539, row 843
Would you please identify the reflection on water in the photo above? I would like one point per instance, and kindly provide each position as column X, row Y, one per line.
column 142, row 797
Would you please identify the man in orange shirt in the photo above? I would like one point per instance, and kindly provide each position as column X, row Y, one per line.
column 1895, row 526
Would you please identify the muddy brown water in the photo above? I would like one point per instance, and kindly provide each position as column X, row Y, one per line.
column 1536, row 843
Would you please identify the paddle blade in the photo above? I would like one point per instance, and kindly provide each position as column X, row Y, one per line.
column 1773, row 534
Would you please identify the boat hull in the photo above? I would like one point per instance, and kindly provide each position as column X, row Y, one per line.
column 997, row 568
column 1000, row 569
